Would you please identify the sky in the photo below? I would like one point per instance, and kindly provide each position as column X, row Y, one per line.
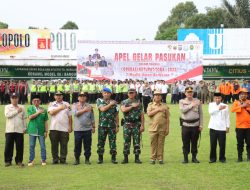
column 107, row 19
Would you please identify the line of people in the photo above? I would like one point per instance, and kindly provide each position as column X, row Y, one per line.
column 133, row 122
column 203, row 90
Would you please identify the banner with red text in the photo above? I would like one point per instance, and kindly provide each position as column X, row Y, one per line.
column 120, row 60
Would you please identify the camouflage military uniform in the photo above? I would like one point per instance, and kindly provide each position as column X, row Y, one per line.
column 131, row 127
column 107, row 126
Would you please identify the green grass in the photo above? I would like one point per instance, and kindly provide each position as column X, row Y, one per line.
column 171, row 175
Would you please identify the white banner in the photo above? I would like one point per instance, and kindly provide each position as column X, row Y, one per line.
column 221, row 45
column 120, row 60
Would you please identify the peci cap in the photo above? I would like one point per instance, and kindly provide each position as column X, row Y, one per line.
column 36, row 97
column 217, row 94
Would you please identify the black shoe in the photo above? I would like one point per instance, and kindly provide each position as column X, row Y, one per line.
column 212, row 161
column 55, row 162
column 223, row 161
column 20, row 164
column 125, row 161
column 161, row 162
column 152, row 162
column 194, row 159
column 137, row 159
column 63, row 162
column 239, row 159
column 248, row 159
column 87, row 162
column 77, row 162
column 7, row 164
column 113, row 159
column 100, row 159
column 185, row 161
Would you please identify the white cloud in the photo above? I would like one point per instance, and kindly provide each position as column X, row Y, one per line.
column 192, row 37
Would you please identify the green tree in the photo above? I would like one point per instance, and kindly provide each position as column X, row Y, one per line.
column 197, row 21
column 169, row 34
column 70, row 25
column 213, row 18
column 177, row 18
column 238, row 14
column 3, row 25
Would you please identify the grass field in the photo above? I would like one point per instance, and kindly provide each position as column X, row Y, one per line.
column 171, row 175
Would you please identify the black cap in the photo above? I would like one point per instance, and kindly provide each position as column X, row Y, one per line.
column 36, row 97
column 217, row 94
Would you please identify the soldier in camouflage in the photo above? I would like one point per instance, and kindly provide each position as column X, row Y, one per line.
column 133, row 125
column 108, row 124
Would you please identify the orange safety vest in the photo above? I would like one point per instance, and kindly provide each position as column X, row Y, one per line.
column 222, row 88
column 242, row 114
column 228, row 88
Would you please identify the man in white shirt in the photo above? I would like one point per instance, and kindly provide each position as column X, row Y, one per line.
column 15, row 129
column 219, row 125
column 60, row 127
column 164, row 91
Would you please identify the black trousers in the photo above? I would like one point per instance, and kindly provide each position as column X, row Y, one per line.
column 43, row 97
column 56, row 138
column 164, row 96
column 227, row 99
column 51, row 96
column 146, row 101
column 22, row 98
column 2, row 97
column 83, row 138
column 124, row 96
column 235, row 97
column 67, row 97
column 74, row 97
column 190, row 135
column 174, row 99
column 243, row 135
column 118, row 97
column 140, row 97
column 217, row 136
column 32, row 94
column 195, row 94
column 183, row 96
column 10, row 140
column 92, row 98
